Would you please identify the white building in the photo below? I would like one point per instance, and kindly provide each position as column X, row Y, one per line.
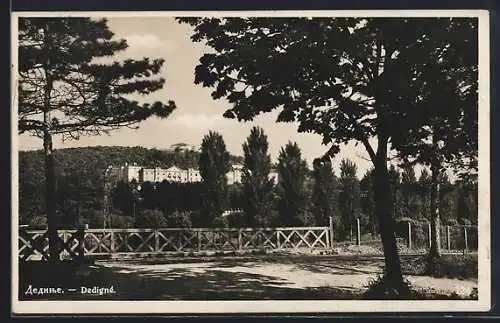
column 131, row 172
column 148, row 175
column 193, row 175
column 274, row 176
column 235, row 174
column 177, row 174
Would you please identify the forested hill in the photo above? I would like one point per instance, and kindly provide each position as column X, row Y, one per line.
column 96, row 159
column 79, row 171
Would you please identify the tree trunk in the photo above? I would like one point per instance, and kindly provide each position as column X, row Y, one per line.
column 50, row 192
column 435, row 243
column 393, row 273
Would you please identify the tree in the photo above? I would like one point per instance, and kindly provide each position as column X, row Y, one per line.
column 257, row 187
column 292, row 171
column 323, row 195
column 342, row 78
column 444, row 122
column 349, row 196
column 366, row 186
column 64, row 91
column 213, row 165
column 412, row 208
column 150, row 219
column 424, row 182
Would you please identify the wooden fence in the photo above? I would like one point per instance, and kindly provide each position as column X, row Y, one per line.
column 33, row 244
column 418, row 236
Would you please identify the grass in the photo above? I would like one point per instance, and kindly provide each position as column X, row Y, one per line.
column 448, row 266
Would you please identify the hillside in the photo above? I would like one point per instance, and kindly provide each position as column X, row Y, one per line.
column 80, row 171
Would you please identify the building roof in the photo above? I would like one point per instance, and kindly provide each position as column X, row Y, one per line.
column 174, row 169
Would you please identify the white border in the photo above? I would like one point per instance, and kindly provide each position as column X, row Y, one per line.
column 191, row 307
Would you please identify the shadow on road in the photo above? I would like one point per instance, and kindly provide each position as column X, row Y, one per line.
column 178, row 284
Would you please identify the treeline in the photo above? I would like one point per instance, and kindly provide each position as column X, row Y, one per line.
column 80, row 176
column 301, row 197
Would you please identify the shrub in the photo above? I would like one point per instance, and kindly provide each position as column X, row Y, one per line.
column 380, row 289
column 120, row 221
column 180, row 219
column 220, row 222
column 236, row 219
column 460, row 266
column 38, row 220
column 451, row 221
column 151, row 219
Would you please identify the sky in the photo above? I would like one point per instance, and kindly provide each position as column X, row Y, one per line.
column 197, row 113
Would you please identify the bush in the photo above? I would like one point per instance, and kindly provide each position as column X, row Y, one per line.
column 151, row 219
column 117, row 221
column 380, row 289
column 220, row 222
column 451, row 222
column 460, row 266
column 38, row 220
column 236, row 219
column 180, row 219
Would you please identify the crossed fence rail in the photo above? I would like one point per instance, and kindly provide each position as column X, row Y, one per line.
column 75, row 243
column 33, row 244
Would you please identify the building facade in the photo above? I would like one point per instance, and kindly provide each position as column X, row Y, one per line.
column 179, row 175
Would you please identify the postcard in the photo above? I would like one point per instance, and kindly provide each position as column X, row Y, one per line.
column 250, row 162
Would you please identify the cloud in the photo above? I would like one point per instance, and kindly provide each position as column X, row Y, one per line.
column 146, row 41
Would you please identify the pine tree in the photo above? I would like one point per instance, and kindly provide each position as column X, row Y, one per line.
column 63, row 91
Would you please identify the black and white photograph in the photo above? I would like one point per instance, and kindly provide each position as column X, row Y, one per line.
column 250, row 162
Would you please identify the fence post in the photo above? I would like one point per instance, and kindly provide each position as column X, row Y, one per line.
column 278, row 244
column 465, row 238
column 157, row 240
column 331, row 231
column 429, row 231
column 112, row 238
column 198, row 240
column 358, row 232
column 409, row 235
column 81, row 243
column 240, row 242
column 448, row 241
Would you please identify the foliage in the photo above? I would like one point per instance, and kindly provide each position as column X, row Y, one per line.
column 349, row 195
column 66, row 88
column 257, row 187
column 293, row 201
column 448, row 266
column 381, row 289
column 342, row 78
column 150, row 219
column 323, row 195
column 236, row 220
column 367, row 201
column 180, row 219
column 57, row 58
column 411, row 203
column 213, row 165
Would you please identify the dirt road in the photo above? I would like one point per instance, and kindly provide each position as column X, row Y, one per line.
column 256, row 278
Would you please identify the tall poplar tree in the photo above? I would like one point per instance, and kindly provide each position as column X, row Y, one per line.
column 257, row 186
column 214, row 164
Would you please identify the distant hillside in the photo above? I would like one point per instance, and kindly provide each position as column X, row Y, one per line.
column 99, row 157
column 79, row 171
